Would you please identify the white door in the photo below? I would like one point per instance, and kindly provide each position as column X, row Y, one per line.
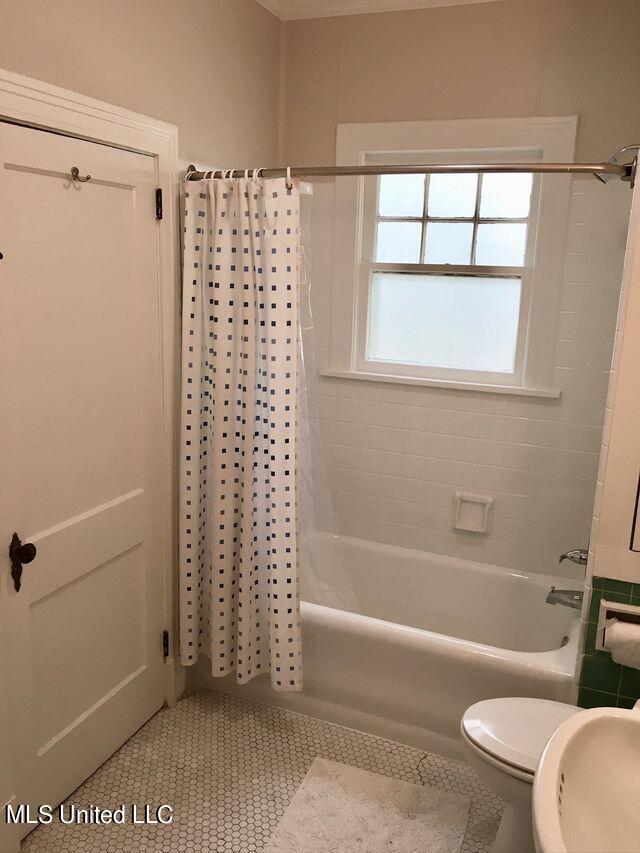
column 81, row 427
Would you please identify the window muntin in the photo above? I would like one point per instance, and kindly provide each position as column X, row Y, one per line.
column 461, row 219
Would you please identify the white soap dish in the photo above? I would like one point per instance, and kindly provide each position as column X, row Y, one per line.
column 472, row 513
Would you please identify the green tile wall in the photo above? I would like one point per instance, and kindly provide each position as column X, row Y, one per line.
column 603, row 682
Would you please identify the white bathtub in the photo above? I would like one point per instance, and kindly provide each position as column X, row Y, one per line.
column 401, row 642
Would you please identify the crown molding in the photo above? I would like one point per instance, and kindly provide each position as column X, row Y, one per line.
column 291, row 10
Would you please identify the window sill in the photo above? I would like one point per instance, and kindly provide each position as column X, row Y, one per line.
column 515, row 390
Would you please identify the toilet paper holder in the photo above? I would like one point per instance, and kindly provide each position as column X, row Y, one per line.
column 610, row 610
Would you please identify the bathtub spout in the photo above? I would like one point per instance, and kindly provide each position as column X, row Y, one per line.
column 566, row 597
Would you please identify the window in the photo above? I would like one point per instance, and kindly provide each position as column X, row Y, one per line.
column 427, row 228
column 453, row 278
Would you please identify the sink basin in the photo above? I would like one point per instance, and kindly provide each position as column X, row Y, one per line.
column 586, row 794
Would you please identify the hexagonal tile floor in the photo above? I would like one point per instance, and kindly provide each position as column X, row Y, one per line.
column 229, row 768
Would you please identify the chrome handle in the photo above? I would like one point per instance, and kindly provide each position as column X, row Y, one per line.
column 577, row 555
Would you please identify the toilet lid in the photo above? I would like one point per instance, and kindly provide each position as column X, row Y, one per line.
column 517, row 730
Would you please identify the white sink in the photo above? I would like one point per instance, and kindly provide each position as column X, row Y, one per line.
column 586, row 794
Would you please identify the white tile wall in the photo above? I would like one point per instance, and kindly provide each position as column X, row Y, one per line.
column 396, row 454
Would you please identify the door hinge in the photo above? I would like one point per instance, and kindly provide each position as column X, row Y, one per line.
column 159, row 203
column 165, row 644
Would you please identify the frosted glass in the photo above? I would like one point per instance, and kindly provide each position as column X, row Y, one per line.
column 506, row 196
column 452, row 195
column 460, row 322
column 501, row 245
column 401, row 195
column 448, row 243
column 399, row 242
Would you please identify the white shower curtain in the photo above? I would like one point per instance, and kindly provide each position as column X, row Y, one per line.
column 238, row 500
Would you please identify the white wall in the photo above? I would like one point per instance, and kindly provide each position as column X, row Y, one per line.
column 212, row 67
column 488, row 60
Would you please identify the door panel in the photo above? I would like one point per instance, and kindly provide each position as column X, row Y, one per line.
column 80, row 362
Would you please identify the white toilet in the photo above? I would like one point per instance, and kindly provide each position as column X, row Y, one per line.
column 505, row 739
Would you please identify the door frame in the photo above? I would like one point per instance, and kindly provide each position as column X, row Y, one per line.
column 42, row 106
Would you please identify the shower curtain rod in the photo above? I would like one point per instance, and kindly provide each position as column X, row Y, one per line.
column 602, row 171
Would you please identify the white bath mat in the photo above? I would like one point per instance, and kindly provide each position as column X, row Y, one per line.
column 341, row 809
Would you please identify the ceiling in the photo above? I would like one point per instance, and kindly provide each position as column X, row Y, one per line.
column 291, row 10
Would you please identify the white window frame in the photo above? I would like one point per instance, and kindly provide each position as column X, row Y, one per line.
column 508, row 140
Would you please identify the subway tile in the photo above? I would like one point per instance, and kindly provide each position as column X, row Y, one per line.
column 607, row 207
column 630, row 682
column 417, row 443
column 590, row 638
column 575, row 464
column 588, row 698
column 597, row 299
column 600, row 673
column 566, row 354
column 441, row 446
column 417, row 418
column 596, row 237
column 492, row 427
column 594, row 605
column 516, row 482
column 593, row 266
column 438, row 494
column 595, row 326
column 517, row 456
column 583, row 410
column 414, row 466
column 521, row 430
column 488, row 478
column 463, row 474
column 490, row 453
column 465, row 449
column 439, row 470
column 623, row 588
column 594, row 355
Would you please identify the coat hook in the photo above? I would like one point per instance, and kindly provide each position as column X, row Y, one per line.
column 75, row 176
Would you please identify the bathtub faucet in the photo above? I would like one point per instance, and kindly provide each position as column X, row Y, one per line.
column 566, row 597
column 578, row 555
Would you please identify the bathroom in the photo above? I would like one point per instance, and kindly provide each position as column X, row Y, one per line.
column 427, row 637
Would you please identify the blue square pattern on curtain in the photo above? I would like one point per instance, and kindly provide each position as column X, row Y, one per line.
column 239, row 601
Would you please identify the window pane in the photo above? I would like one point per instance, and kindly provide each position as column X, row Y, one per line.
column 452, row 195
column 461, row 322
column 401, row 195
column 399, row 242
column 506, row 196
column 448, row 243
column 501, row 245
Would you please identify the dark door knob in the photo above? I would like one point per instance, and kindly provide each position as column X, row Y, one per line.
column 20, row 554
